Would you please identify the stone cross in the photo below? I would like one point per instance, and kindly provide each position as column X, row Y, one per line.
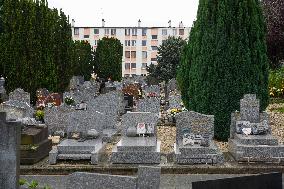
column 249, row 108
column 10, row 138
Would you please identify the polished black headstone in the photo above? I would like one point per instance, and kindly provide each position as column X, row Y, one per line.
column 263, row 181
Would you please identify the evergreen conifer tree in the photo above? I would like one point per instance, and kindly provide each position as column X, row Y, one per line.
column 225, row 58
column 108, row 59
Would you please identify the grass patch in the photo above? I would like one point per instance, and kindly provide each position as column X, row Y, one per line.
column 281, row 110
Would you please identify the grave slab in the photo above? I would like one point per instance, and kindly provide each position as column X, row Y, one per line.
column 254, row 146
column 196, row 124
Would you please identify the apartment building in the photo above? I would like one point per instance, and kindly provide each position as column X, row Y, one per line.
column 140, row 44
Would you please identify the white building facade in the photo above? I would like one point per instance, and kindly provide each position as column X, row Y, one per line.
column 139, row 43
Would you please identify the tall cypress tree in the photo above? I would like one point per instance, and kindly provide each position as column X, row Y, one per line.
column 225, row 59
column 82, row 60
column 108, row 59
column 36, row 46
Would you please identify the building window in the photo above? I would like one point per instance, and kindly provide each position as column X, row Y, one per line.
column 174, row 31
column 134, row 31
column 153, row 59
column 133, row 65
column 96, row 31
column 106, row 31
column 113, row 31
column 127, row 54
column 144, row 66
column 133, row 54
column 154, row 37
column 127, row 66
column 144, row 31
column 144, row 54
column 181, row 31
column 154, row 48
column 76, row 31
column 86, row 36
column 164, row 32
column 144, row 43
column 133, row 42
column 127, row 31
column 127, row 43
column 95, row 42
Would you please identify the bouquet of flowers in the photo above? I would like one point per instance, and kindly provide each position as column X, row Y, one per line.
column 69, row 101
column 152, row 94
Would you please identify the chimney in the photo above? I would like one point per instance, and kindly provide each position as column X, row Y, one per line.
column 170, row 23
column 139, row 23
column 181, row 24
column 73, row 23
column 103, row 22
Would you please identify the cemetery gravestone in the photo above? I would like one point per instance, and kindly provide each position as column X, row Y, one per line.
column 172, row 85
column 250, row 134
column 9, row 152
column 35, row 144
column 81, row 90
column 264, row 181
column 3, row 95
column 18, row 105
column 20, row 95
column 175, row 101
column 88, row 144
column 75, row 82
column 147, row 177
column 110, row 104
column 139, row 142
column 194, row 139
column 56, row 118
column 151, row 104
column 152, row 89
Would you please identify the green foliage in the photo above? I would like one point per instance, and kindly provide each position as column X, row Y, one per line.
column 108, row 59
column 22, row 182
column 281, row 110
column 69, row 101
column 276, row 100
column 39, row 114
column 33, row 184
column 82, row 59
column 276, row 83
column 169, row 54
column 274, row 14
column 225, row 58
column 35, row 47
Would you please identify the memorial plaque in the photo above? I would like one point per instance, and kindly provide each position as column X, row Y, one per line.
column 141, row 128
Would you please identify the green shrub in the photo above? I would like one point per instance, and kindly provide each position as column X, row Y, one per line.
column 69, row 101
column 225, row 58
column 39, row 114
column 276, row 83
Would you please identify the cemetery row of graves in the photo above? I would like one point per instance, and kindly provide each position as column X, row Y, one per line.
column 123, row 120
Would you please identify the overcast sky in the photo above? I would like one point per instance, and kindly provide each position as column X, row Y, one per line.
column 127, row 12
